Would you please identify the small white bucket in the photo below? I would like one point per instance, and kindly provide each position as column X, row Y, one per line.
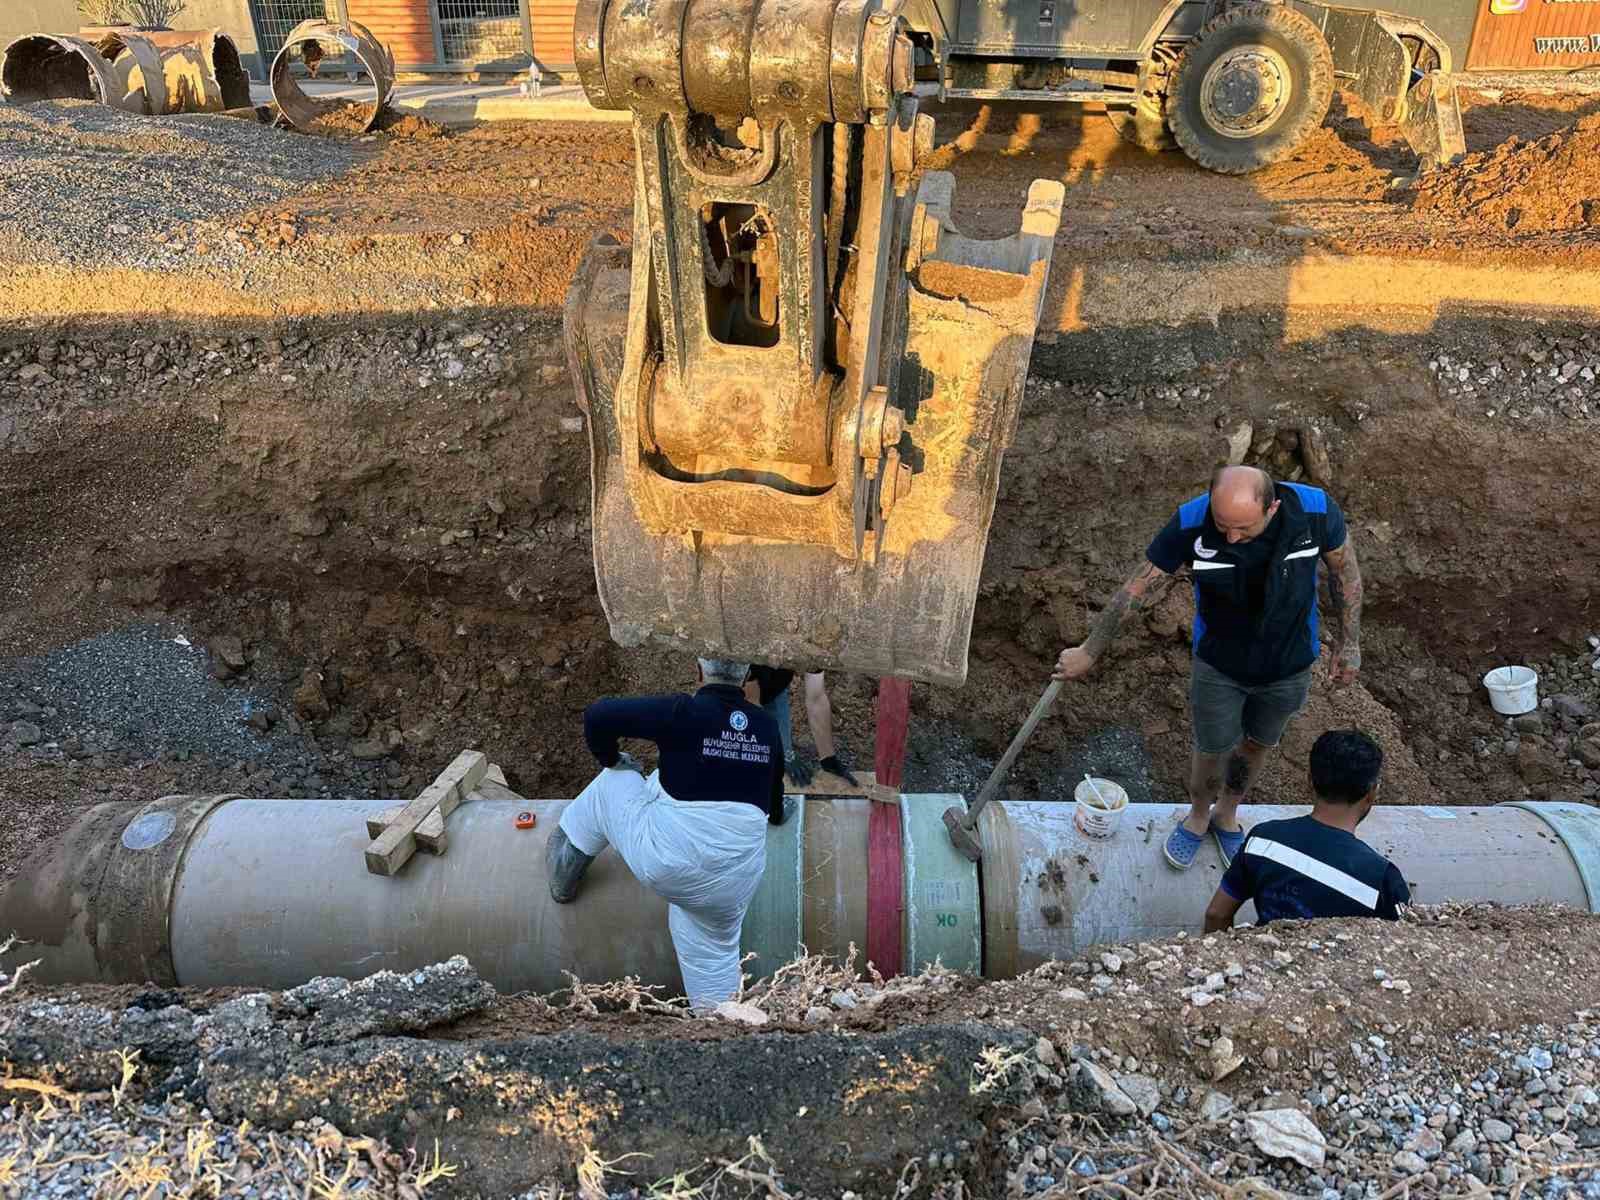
column 1098, row 815
column 1513, row 690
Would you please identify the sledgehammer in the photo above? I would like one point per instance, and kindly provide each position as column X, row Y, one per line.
column 963, row 826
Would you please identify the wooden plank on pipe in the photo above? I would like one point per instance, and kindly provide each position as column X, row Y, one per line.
column 826, row 783
column 430, row 835
column 393, row 848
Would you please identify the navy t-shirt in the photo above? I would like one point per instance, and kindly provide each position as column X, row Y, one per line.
column 1302, row 868
column 715, row 744
column 1256, row 616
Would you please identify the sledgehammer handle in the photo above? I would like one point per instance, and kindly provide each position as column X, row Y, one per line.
column 992, row 784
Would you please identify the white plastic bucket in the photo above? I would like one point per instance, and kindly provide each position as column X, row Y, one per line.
column 1513, row 690
column 1098, row 815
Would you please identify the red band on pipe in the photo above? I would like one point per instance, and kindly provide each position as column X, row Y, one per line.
column 885, row 849
column 885, row 889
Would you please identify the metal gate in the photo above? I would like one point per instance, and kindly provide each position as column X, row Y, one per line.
column 479, row 32
column 274, row 19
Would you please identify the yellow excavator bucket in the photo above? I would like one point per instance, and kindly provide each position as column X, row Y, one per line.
column 800, row 381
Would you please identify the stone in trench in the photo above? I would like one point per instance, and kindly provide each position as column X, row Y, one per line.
column 1495, row 1130
column 389, row 1002
column 1409, row 1162
column 1144, row 1091
column 1588, row 753
column 1537, row 764
column 369, row 749
column 1571, row 707
column 26, row 733
column 309, row 700
column 740, row 1013
column 1102, row 1090
column 229, row 651
column 1287, row 1133
column 1215, row 1106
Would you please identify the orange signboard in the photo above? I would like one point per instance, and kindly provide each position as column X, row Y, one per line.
column 1536, row 34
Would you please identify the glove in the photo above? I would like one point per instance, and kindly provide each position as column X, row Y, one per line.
column 626, row 762
column 833, row 766
column 798, row 769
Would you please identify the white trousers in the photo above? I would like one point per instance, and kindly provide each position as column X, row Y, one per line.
column 705, row 859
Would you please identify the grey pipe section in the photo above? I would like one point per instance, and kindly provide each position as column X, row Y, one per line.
column 1049, row 890
column 218, row 890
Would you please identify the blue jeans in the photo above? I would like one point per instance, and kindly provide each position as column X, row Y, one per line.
column 778, row 708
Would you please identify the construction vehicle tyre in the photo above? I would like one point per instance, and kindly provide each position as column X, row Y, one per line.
column 1250, row 89
column 1144, row 126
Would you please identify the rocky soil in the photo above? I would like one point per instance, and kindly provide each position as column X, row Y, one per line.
column 1338, row 1060
column 294, row 499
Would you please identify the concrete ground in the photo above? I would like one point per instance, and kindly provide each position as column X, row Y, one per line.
column 463, row 103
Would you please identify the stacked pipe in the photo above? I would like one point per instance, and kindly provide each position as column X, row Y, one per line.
column 149, row 72
column 219, row 890
column 158, row 72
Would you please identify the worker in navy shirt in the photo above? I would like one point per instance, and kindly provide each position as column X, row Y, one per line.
column 1315, row 866
column 694, row 830
column 1251, row 546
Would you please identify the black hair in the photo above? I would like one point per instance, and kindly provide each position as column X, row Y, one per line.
column 1345, row 765
column 1266, row 490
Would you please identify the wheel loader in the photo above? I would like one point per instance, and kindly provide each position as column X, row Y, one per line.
column 800, row 378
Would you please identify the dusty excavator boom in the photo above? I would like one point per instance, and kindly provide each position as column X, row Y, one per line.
column 800, row 381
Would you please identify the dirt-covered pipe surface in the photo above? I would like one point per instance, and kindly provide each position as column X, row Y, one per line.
column 217, row 890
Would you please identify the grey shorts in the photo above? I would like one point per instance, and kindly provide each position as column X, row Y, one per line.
column 1224, row 711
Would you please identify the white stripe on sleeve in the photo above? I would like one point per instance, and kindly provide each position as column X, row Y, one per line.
column 1312, row 868
column 1308, row 552
column 1211, row 566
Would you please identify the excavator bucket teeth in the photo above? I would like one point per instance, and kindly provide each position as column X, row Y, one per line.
column 800, row 380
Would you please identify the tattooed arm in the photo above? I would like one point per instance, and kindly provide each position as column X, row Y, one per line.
column 1148, row 585
column 1344, row 604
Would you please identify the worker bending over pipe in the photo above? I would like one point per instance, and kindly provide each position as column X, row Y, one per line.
column 694, row 830
column 1315, row 866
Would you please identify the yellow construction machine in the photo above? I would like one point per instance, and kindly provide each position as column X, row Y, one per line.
column 800, row 380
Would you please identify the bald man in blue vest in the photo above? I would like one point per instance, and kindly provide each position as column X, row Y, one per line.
column 1251, row 545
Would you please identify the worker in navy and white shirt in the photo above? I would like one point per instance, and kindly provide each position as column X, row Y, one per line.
column 1252, row 546
column 1315, row 866
column 694, row 831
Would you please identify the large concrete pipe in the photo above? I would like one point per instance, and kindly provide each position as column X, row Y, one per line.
column 303, row 111
column 200, row 68
column 208, row 891
column 44, row 66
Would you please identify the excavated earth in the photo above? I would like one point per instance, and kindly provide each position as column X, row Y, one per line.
column 294, row 499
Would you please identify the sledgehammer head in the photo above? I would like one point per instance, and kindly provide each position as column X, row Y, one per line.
column 964, row 838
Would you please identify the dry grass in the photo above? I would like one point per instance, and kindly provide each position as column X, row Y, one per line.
column 141, row 1156
column 17, row 976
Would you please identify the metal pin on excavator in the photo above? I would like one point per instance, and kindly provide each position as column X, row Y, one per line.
column 800, row 381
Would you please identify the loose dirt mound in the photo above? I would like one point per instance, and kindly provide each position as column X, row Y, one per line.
column 349, row 119
column 1530, row 187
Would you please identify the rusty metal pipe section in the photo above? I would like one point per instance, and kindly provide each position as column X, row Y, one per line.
column 304, row 111
column 150, row 72
column 220, row 890
column 44, row 66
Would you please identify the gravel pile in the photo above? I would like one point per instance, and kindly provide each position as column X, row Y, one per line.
column 1545, row 377
column 43, row 378
column 83, row 183
column 142, row 688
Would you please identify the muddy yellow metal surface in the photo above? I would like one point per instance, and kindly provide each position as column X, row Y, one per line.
column 801, row 381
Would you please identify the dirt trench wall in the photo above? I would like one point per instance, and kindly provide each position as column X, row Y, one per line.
column 834, row 1112
column 393, row 519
